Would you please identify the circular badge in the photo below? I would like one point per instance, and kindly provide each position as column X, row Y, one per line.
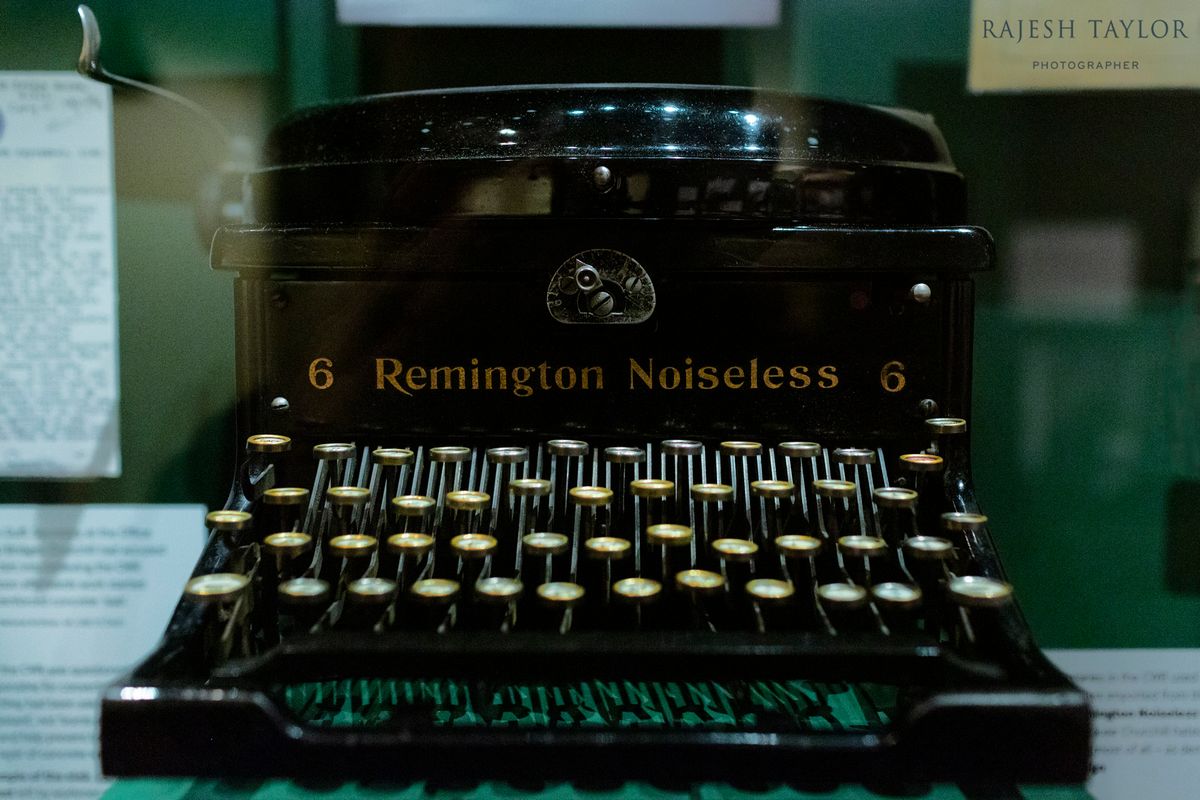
column 600, row 287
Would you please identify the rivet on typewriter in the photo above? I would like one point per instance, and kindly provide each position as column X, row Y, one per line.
column 286, row 549
column 542, row 548
column 268, row 443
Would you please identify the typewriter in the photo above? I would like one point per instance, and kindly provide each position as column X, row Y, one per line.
column 617, row 429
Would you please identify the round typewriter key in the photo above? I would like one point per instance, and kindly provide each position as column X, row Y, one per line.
column 698, row 582
column 834, row 489
column 268, row 443
column 507, row 455
column 712, row 492
column 435, row 591
column 796, row 545
column 413, row 505
column 391, row 456
column 286, row 496
column 735, row 550
column 862, row 546
column 940, row 426
column 894, row 497
column 637, row 590
column 333, row 451
column 853, row 455
column 529, row 487
column 681, row 447
column 735, row 448
column 591, row 495
column 841, row 596
column 798, row 449
column 473, row 545
column 228, row 520
column 449, row 455
column 921, row 462
column 963, row 521
column 347, row 495
column 498, row 590
column 624, row 455
column 769, row 590
column 974, row 591
column 772, row 489
column 560, row 593
column 287, row 545
column 608, row 548
column 566, row 447
column 652, row 488
column 217, row 587
column 352, row 545
column 669, row 535
column 928, row 548
column 543, row 544
column 896, row 595
column 468, row 501
column 371, row 591
column 304, row 592
column 410, row 544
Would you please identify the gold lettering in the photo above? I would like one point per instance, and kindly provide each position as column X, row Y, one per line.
column 441, row 375
column 413, row 375
column 521, row 376
column 829, row 378
column 635, row 369
column 320, row 373
column 668, row 378
column 754, row 373
column 732, row 374
column 708, row 377
column 560, row 382
column 487, row 378
column 799, row 379
column 387, row 371
column 687, row 373
column 542, row 369
column 598, row 372
column 474, row 373
column 773, row 377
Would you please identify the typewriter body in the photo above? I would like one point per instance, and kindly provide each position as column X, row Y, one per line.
column 602, row 429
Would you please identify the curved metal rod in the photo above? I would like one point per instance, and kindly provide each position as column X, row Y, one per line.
column 89, row 66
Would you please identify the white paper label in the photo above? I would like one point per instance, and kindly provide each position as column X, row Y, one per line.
column 85, row 593
column 1146, row 720
column 58, row 293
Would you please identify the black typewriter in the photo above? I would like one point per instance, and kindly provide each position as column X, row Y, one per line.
column 615, row 429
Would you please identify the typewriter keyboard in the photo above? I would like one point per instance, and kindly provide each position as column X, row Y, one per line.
column 561, row 536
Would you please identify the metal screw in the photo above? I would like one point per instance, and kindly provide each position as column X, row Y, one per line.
column 920, row 292
column 280, row 404
column 929, row 408
column 602, row 178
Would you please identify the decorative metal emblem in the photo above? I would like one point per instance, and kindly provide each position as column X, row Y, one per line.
column 600, row 287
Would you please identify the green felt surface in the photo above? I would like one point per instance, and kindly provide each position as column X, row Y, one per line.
column 192, row 789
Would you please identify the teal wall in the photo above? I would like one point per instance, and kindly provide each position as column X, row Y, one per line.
column 1079, row 424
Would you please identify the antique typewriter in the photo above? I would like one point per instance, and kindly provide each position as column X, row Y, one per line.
column 601, row 429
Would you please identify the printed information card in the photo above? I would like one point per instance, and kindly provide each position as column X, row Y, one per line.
column 58, row 291
column 1146, row 722
column 85, row 593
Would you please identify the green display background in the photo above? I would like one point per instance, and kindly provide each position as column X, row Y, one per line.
column 1084, row 451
